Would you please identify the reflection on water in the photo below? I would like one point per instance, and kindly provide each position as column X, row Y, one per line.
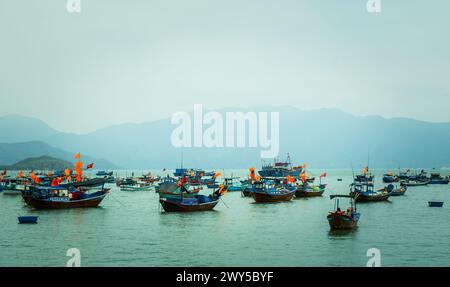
column 130, row 229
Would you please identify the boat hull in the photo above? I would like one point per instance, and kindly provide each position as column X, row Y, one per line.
column 170, row 206
column 302, row 193
column 370, row 198
column 263, row 197
column 49, row 204
column 339, row 222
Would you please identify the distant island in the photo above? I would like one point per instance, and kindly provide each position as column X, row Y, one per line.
column 40, row 163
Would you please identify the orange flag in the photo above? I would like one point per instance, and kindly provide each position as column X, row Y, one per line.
column 303, row 177
column 290, row 178
column 77, row 156
column 252, row 173
column 67, row 172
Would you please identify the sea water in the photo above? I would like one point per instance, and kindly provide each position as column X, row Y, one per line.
column 130, row 229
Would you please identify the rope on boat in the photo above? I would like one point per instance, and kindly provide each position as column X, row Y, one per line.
column 224, row 202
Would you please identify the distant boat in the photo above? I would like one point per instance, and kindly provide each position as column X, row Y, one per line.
column 435, row 203
column 414, row 183
column 390, row 178
column 393, row 191
column 339, row 219
column 12, row 186
column 305, row 190
column 280, row 169
column 269, row 192
column 104, row 173
column 436, row 178
column 136, row 187
column 28, row 219
column 233, row 184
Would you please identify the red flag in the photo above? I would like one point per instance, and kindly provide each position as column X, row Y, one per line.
column 91, row 165
column 55, row 182
column 184, row 180
column 323, row 174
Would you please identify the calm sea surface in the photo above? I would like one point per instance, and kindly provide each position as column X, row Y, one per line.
column 129, row 229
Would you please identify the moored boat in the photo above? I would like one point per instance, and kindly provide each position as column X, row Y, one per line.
column 199, row 202
column 269, row 192
column 305, row 190
column 365, row 193
column 54, row 197
column 339, row 219
column 413, row 183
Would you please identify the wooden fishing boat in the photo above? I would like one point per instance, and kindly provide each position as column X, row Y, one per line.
column 338, row 219
column 12, row 186
column 181, row 191
column 233, row 184
column 136, row 187
column 199, row 202
column 414, row 183
column 53, row 197
column 393, row 190
column 363, row 192
column 269, row 192
column 398, row 192
column 305, row 190
column 436, row 178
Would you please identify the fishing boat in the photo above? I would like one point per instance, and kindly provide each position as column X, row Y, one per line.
column 269, row 192
column 413, row 183
column 233, row 184
column 28, row 219
column 339, row 219
column 198, row 202
column 12, row 186
column 390, row 178
column 55, row 197
column 136, row 187
column 393, row 190
column 280, row 169
column 104, row 173
column 306, row 190
column 94, row 182
column 167, row 184
column 181, row 191
column 365, row 193
column 436, row 178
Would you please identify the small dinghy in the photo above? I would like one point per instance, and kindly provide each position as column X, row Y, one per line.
column 28, row 219
column 435, row 203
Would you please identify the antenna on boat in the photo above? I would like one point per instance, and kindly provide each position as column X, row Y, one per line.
column 182, row 159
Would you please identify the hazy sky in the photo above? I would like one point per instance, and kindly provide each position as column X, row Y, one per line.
column 132, row 61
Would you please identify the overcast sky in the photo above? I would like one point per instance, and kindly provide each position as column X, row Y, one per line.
column 132, row 61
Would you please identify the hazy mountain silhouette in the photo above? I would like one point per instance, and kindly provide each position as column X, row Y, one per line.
column 10, row 153
column 325, row 138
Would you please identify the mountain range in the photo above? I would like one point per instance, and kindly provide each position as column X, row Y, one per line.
column 324, row 138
